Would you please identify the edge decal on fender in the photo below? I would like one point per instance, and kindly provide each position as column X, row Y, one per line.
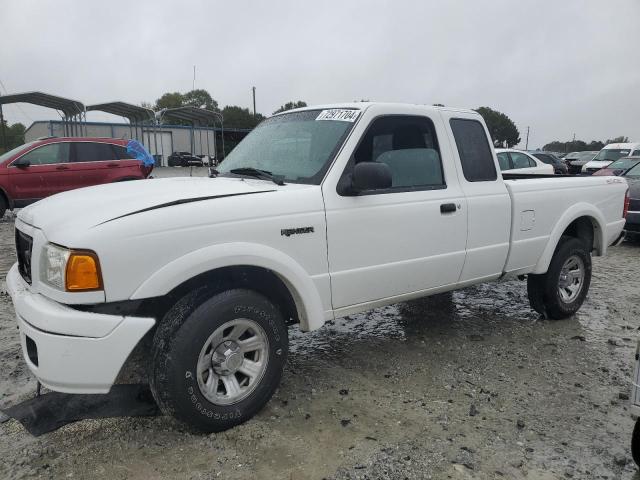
column 287, row 232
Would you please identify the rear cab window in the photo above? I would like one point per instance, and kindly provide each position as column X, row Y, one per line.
column 474, row 150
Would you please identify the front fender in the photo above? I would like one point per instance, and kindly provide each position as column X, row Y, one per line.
column 297, row 280
column 576, row 211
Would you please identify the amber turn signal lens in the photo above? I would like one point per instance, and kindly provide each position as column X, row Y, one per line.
column 83, row 272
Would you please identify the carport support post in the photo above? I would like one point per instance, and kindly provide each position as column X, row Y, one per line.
column 4, row 135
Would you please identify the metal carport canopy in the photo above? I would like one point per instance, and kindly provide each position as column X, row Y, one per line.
column 134, row 113
column 196, row 116
column 70, row 108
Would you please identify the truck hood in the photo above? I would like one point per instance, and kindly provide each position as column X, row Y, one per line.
column 88, row 207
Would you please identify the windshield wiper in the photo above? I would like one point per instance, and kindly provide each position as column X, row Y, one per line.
column 261, row 174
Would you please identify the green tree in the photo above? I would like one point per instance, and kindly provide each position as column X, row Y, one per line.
column 573, row 146
column 199, row 98
column 169, row 100
column 238, row 117
column 290, row 106
column 13, row 135
column 502, row 129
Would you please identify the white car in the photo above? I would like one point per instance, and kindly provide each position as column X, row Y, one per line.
column 318, row 213
column 519, row 162
column 610, row 153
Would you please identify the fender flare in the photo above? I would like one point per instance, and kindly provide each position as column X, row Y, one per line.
column 576, row 211
column 296, row 279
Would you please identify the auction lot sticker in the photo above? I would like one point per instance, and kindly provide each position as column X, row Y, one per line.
column 340, row 114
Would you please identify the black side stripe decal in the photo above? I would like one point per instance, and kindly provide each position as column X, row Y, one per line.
column 182, row 201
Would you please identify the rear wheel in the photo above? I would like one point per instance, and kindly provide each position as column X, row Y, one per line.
column 635, row 443
column 3, row 206
column 217, row 361
column 561, row 291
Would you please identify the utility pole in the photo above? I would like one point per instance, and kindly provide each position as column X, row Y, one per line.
column 526, row 146
column 193, row 86
column 253, row 89
column 4, row 137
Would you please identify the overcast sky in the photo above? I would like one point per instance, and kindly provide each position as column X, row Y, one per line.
column 560, row 67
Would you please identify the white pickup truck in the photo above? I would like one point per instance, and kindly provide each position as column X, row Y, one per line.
column 319, row 213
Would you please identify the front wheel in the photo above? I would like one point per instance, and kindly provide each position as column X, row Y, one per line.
column 561, row 291
column 217, row 361
column 3, row 206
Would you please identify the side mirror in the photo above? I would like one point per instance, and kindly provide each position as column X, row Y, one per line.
column 21, row 163
column 368, row 176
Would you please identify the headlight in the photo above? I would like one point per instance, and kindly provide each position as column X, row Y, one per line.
column 70, row 270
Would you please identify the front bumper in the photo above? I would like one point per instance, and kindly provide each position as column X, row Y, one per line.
column 69, row 350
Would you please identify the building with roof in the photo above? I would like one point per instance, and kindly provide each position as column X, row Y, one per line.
column 160, row 140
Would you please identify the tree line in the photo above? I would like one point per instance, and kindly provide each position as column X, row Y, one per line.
column 234, row 115
column 581, row 145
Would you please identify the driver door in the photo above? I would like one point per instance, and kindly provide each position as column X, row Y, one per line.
column 389, row 244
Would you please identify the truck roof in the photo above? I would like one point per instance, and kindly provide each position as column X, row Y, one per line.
column 365, row 105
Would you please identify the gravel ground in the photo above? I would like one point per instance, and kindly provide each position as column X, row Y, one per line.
column 469, row 385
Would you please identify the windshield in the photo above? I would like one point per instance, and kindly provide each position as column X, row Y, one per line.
column 623, row 164
column 11, row 153
column 634, row 172
column 611, row 154
column 298, row 146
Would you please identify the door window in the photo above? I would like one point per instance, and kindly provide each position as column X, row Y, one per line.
column 48, row 154
column 121, row 153
column 503, row 160
column 409, row 147
column 93, row 152
column 520, row 160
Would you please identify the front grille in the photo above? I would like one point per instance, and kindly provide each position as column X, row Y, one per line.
column 24, row 244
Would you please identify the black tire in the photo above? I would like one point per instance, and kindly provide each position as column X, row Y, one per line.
column 635, row 443
column 3, row 206
column 543, row 290
column 177, row 345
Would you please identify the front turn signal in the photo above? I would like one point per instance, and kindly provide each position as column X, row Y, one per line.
column 83, row 272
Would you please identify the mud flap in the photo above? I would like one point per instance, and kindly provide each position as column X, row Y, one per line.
column 53, row 410
column 535, row 291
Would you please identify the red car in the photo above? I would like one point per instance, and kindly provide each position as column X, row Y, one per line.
column 47, row 166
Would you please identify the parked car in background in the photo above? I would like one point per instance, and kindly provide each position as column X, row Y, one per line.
column 575, row 160
column 52, row 165
column 633, row 216
column 559, row 167
column 184, row 159
column 516, row 161
column 619, row 167
column 610, row 153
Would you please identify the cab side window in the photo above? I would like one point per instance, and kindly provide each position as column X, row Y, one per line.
column 474, row 150
column 48, row 154
column 409, row 147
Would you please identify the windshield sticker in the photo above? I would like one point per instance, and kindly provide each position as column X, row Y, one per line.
column 340, row 114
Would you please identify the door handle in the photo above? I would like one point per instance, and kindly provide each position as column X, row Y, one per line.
column 62, row 167
column 448, row 208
